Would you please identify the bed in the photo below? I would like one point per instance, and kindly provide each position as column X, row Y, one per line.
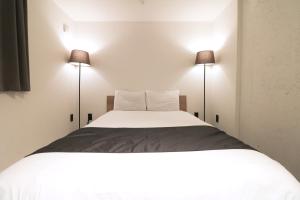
column 145, row 155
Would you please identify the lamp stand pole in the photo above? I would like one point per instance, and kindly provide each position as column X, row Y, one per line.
column 204, row 93
column 79, row 95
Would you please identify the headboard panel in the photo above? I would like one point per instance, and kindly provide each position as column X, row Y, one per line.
column 182, row 103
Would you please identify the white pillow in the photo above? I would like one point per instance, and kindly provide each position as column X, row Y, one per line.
column 162, row 100
column 130, row 100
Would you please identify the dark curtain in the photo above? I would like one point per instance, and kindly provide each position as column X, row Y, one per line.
column 14, row 61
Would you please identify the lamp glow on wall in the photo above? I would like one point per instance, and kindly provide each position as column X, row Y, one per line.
column 79, row 58
column 205, row 57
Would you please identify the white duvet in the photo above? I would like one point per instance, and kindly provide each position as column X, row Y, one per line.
column 207, row 175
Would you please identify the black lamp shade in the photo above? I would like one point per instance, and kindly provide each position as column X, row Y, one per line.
column 205, row 57
column 79, row 56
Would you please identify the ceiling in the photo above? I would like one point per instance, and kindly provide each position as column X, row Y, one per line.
column 143, row 10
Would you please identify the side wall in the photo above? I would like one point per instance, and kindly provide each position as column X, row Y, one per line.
column 270, row 79
column 33, row 119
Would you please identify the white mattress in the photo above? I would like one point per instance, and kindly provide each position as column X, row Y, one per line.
column 208, row 175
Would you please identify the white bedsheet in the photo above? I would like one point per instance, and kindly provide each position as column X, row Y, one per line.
column 139, row 119
column 207, row 175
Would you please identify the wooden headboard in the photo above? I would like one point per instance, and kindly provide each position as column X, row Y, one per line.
column 182, row 103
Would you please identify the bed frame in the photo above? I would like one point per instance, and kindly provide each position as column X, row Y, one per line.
column 110, row 103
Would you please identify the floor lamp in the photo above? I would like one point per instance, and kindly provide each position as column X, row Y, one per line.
column 205, row 57
column 79, row 58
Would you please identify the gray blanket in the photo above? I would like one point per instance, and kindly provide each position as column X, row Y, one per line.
column 137, row 140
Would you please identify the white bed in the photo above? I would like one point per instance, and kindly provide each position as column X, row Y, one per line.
column 209, row 175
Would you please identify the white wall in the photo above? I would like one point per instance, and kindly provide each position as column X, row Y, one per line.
column 222, row 81
column 270, row 79
column 142, row 55
column 33, row 119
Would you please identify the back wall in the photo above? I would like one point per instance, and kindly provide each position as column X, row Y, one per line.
column 139, row 56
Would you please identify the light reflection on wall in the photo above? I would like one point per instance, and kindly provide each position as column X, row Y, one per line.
column 218, row 41
column 198, row 45
column 214, row 72
column 195, row 72
column 69, row 70
column 215, row 43
column 70, row 43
